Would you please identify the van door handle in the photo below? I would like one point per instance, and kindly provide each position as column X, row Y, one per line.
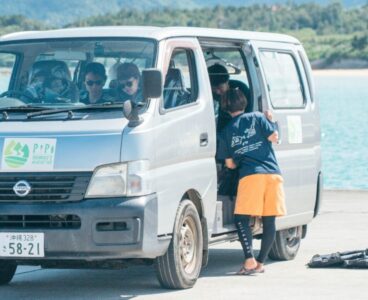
column 203, row 139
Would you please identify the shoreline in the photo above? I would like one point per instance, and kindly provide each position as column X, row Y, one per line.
column 345, row 190
column 340, row 72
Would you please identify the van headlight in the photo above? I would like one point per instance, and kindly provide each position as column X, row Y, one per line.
column 120, row 179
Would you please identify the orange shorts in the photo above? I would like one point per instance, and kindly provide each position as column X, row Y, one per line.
column 261, row 195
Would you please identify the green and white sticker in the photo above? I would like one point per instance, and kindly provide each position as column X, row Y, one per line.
column 28, row 154
column 295, row 132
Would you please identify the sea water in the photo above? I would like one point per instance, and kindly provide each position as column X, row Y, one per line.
column 343, row 98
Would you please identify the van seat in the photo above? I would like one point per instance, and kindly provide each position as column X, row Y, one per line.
column 174, row 90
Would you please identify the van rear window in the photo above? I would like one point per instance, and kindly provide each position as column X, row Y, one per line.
column 283, row 80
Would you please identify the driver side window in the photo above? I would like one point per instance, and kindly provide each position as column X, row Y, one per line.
column 180, row 86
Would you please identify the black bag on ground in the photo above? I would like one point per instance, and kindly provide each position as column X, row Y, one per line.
column 348, row 259
column 326, row 260
column 357, row 263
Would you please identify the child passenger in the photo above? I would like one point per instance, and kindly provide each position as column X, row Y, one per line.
column 246, row 144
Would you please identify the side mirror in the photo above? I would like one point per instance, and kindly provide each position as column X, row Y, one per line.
column 151, row 83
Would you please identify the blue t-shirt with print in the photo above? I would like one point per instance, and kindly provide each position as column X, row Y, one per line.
column 245, row 140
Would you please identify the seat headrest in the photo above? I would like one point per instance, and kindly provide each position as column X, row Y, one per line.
column 175, row 75
column 50, row 68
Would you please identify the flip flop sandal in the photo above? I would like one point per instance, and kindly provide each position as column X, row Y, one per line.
column 244, row 271
column 259, row 270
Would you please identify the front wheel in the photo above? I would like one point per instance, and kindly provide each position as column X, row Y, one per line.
column 7, row 271
column 286, row 244
column 180, row 266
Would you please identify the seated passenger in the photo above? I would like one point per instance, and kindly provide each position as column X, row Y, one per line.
column 35, row 88
column 54, row 88
column 95, row 78
column 129, row 83
column 221, row 84
column 219, row 79
column 47, row 70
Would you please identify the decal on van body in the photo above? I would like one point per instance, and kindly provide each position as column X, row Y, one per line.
column 295, row 134
column 28, row 154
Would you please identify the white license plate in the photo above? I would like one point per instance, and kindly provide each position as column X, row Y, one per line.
column 22, row 244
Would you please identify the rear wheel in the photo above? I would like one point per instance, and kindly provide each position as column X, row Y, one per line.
column 180, row 266
column 286, row 244
column 7, row 271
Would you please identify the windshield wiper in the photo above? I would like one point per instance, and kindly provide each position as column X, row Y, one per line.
column 70, row 110
column 21, row 108
column 4, row 110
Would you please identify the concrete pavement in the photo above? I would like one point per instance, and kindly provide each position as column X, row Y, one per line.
column 342, row 225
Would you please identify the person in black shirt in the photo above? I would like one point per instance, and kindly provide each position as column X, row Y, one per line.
column 129, row 82
column 219, row 79
column 94, row 81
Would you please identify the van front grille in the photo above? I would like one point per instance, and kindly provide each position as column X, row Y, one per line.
column 10, row 222
column 47, row 186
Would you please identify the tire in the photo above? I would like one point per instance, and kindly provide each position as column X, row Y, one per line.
column 180, row 266
column 286, row 244
column 7, row 271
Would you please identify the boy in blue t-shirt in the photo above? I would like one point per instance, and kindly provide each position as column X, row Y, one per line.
column 246, row 144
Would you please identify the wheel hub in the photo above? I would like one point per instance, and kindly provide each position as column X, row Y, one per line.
column 293, row 237
column 187, row 245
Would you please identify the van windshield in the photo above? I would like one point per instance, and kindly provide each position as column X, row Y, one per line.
column 50, row 74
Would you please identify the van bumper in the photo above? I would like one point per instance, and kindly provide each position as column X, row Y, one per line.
column 111, row 228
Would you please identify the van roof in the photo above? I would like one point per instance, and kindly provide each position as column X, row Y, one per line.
column 157, row 33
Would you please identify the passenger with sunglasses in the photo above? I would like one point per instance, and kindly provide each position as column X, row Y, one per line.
column 95, row 78
column 129, row 83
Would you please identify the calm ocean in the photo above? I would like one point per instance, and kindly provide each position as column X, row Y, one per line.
column 344, row 120
column 343, row 100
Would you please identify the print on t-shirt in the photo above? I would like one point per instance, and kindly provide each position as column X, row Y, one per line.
column 245, row 140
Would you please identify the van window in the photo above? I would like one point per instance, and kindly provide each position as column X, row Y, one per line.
column 233, row 61
column 283, row 80
column 227, row 69
column 307, row 75
column 180, row 86
column 7, row 62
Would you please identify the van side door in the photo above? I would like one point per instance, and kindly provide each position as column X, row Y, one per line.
column 286, row 93
column 185, row 135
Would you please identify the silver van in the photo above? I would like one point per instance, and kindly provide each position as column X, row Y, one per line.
column 120, row 182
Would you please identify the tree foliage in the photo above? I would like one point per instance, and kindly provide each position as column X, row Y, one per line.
column 327, row 32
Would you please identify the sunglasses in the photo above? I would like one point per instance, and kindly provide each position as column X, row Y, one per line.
column 126, row 84
column 92, row 82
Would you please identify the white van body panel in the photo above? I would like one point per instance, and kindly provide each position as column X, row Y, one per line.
column 171, row 140
column 181, row 164
column 299, row 161
column 157, row 33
